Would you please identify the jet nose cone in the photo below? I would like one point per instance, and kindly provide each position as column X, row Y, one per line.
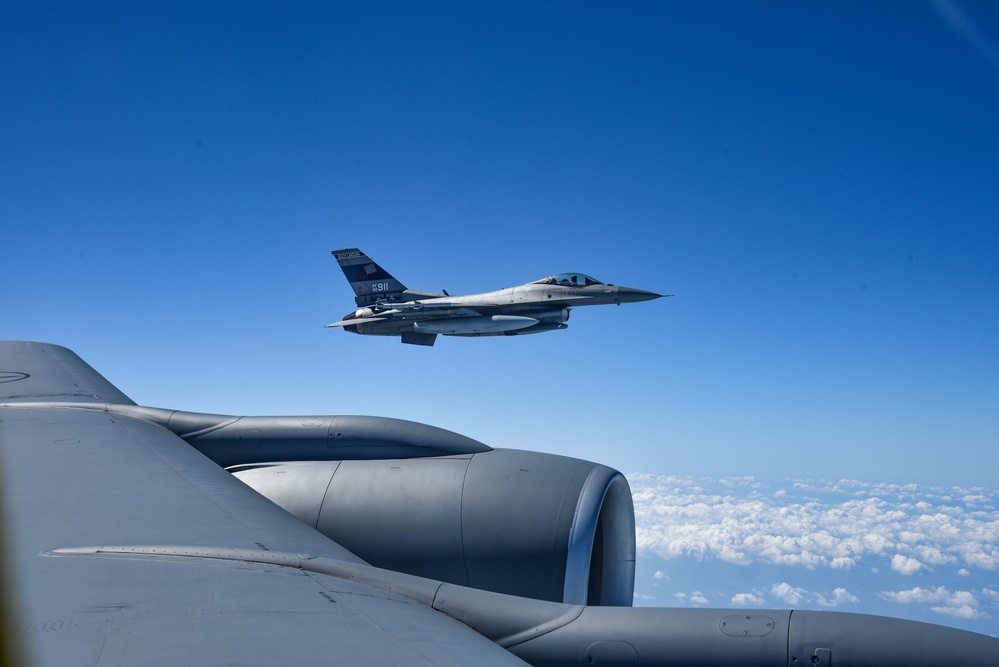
column 632, row 295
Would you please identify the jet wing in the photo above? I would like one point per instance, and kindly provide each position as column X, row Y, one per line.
column 75, row 480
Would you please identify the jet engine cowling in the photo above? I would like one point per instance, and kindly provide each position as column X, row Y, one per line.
column 524, row 523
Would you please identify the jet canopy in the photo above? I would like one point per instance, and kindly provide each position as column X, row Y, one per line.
column 569, row 280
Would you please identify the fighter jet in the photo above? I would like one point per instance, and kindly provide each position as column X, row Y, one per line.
column 385, row 307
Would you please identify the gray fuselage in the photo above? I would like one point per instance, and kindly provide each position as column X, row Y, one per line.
column 531, row 308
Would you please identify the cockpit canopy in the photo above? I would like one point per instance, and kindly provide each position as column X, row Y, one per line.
column 569, row 280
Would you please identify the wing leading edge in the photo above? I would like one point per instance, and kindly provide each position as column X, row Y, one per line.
column 41, row 371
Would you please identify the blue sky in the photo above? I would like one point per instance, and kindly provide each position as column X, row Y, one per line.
column 815, row 182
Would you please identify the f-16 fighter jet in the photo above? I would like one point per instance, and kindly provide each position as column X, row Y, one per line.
column 385, row 307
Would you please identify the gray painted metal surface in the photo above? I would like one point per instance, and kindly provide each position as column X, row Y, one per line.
column 230, row 441
column 387, row 308
column 567, row 526
column 125, row 545
column 77, row 478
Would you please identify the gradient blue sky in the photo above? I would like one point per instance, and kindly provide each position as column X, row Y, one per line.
column 818, row 183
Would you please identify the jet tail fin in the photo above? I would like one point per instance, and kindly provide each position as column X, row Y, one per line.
column 371, row 282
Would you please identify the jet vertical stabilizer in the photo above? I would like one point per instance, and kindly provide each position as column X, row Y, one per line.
column 371, row 282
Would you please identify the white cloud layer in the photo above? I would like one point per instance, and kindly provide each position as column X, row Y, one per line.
column 835, row 525
column 747, row 599
column 962, row 604
column 905, row 564
column 695, row 599
column 788, row 593
column 912, row 532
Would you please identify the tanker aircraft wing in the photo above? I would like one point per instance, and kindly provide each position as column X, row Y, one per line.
column 385, row 307
column 125, row 545
column 129, row 539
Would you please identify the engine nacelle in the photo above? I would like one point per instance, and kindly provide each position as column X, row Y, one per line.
column 524, row 523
